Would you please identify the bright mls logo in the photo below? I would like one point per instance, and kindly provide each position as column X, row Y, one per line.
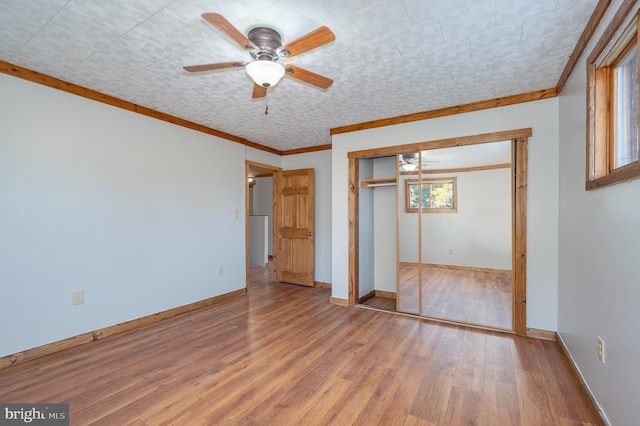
column 34, row 414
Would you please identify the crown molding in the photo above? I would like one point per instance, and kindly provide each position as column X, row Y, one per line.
column 55, row 83
column 443, row 112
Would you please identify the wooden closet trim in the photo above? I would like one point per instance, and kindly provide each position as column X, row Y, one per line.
column 443, row 143
column 519, row 140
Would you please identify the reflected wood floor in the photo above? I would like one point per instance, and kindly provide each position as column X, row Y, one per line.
column 471, row 296
column 283, row 355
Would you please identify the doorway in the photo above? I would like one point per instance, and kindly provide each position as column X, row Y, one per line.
column 429, row 243
column 279, row 223
column 259, row 218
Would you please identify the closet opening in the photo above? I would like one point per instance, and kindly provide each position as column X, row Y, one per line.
column 438, row 230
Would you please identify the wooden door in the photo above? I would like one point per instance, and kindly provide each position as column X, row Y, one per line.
column 293, row 226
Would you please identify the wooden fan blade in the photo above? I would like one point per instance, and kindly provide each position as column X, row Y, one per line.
column 211, row 67
column 225, row 26
column 315, row 38
column 308, row 76
column 259, row 91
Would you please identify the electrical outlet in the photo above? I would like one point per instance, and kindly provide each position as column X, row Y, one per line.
column 236, row 213
column 78, row 297
column 601, row 349
column 220, row 270
column 450, row 251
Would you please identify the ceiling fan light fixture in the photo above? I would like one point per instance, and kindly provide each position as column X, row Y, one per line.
column 265, row 73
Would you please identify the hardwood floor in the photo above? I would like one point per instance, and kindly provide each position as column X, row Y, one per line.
column 471, row 296
column 283, row 355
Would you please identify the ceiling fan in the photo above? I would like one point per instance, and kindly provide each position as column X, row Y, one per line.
column 265, row 46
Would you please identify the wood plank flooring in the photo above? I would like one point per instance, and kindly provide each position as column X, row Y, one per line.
column 283, row 355
column 471, row 296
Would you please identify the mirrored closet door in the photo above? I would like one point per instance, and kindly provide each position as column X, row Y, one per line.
column 453, row 234
column 466, row 233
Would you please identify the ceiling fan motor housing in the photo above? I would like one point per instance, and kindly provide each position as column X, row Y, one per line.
column 268, row 41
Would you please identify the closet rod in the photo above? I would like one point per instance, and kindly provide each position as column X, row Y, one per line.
column 373, row 185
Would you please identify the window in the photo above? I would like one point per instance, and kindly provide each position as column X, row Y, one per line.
column 625, row 102
column 612, row 73
column 438, row 195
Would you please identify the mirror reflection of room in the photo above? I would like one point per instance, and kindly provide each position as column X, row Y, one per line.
column 453, row 234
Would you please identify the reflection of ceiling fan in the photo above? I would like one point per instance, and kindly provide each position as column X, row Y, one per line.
column 411, row 158
column 264, row 44
column 409, row 162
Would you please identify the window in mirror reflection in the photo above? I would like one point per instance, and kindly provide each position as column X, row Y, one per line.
column 438, row 195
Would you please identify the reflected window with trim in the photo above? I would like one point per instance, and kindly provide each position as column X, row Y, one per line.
column 438, row 195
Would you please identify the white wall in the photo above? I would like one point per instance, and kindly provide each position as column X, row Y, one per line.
column 137, row 212
column 479, row 232
column 258, row 241
column 384, row 219
column 366, row 231
column 321, row 162
column 599, row 288
column 264, row 157
column 542, row 225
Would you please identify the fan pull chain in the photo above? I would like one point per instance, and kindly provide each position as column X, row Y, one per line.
column 266, row 102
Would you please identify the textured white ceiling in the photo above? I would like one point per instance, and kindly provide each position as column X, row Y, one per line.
column 389, row 58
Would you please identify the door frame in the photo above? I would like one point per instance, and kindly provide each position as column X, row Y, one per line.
column 519, row 140
column 250, row 167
